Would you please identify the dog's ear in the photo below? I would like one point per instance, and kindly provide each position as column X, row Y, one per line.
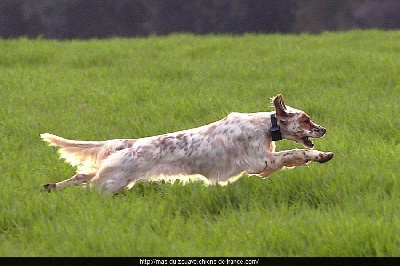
column 280, row 107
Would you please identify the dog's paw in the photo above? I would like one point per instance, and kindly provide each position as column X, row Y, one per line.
column 324, row 157
column 49, row 187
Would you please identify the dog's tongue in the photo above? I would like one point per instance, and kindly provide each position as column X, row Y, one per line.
column 308, row 143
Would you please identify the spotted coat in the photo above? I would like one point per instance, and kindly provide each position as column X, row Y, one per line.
column 219, row 152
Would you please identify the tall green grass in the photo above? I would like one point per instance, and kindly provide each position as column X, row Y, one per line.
column 126, row 88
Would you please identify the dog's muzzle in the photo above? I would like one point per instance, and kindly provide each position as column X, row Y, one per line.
column 316, row 132
column 319, row 131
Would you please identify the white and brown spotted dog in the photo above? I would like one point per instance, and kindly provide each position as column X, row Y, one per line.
column 220, row 152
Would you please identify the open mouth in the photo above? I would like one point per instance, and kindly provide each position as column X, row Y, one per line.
column 307, row 143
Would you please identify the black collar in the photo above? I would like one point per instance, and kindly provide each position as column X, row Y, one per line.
column 275, row 129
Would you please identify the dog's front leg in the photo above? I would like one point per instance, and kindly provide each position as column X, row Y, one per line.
column 291, row 158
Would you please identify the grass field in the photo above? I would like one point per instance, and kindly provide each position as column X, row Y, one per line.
column 125, row 88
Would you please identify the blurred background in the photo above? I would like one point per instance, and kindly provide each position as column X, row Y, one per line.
column 83, row 19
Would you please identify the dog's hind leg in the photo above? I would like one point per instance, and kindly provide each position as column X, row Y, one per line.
column 123, row 168
column 110, row 179
column 113, row 178
column 77, row 179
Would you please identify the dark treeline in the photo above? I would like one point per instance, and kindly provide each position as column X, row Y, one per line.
column 67, row 19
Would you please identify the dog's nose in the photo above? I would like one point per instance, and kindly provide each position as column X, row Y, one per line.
column 320, row 131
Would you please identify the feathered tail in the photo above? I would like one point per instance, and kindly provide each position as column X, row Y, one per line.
column 87, row 155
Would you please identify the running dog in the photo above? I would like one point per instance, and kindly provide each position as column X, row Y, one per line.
column 220, row 152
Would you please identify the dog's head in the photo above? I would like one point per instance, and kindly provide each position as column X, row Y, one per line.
column 295, row 124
